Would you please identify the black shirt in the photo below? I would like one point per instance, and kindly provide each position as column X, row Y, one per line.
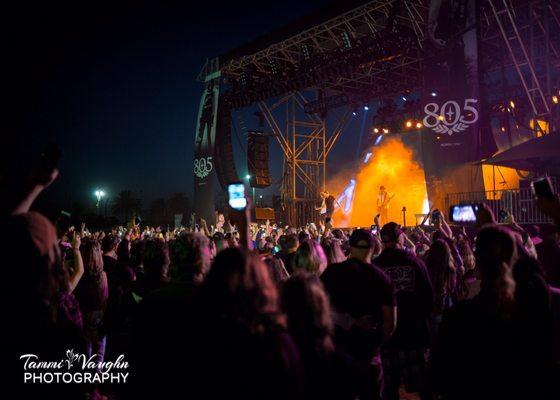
column 358, row 289
column 414, row 297
column 329, row 203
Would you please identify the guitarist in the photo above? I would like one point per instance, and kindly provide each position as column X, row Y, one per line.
column 383, row 199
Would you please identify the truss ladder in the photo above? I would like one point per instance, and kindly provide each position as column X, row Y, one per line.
column 504, row 14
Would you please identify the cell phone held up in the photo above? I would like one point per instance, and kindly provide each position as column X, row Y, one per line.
column 236, row 196
column 542, row 187
column 464, row 214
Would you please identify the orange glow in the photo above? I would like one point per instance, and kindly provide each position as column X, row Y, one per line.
column 408, row 124
column 393, row 166
column 505, row 178
column 419, row 125
column 540, row 126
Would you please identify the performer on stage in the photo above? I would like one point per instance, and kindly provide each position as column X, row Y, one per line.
column 326, row 209
column 383, row 199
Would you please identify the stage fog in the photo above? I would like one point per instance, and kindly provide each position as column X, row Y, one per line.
column 391, row 163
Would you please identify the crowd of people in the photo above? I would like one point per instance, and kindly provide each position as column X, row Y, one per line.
column 241, row 310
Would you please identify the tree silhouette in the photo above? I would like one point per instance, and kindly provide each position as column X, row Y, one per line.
column 178, row 203
column 158, row 213
column 126, row 205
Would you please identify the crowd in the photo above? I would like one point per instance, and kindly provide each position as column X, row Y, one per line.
column 240, row 310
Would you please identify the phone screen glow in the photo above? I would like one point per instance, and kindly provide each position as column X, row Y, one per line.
column 464, row 213
column 236, row 192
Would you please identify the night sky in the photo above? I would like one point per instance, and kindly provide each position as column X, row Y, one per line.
column 114, row 84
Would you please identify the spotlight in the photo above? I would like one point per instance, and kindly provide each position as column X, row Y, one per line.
column 385, row 130
column 503, row 128
column 375, row 130
column 353, row 112
column 247, row 176
column 555, row 99
column 404, row 98
column 366, row 108
column 408, row 124
column 511, row 104
column 441, row 117
column 419, row 125
column 433, row 94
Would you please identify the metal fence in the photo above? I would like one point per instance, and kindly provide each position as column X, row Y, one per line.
column 519, row 202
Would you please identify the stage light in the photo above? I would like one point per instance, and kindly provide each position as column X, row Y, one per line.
column 408, row 124
column 378, row 140
column 555, row 99
column 385, row 130
column 375, row 130
column 247, row 176
column 367, row 157
column 511, row 104
column 441, row 117
column 353, row 112
column 404, row 98
column 433, row 94
column 503, row 128
column 366, row 108
column 419, row 125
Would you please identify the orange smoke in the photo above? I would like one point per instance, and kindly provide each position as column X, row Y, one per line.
column 393, row 166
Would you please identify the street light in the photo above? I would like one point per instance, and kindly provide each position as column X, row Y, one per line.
column 248, row 177
column 99, row 194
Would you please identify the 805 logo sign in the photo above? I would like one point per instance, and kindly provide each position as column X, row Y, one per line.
column 203, row 166
column 450, row 119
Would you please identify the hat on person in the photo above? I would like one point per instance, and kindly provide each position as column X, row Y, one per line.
column 361, row 239
column 390, row 232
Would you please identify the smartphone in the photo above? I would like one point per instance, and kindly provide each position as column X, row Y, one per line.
column 436, row 214
column 374, row 229
column 464, row 213
column 542, row 187
column 236, row 196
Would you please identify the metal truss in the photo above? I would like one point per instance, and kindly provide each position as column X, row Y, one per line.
column 306, row 142
column 357, row 56
column 333, row 43
column 522, row 36
column 372, row 36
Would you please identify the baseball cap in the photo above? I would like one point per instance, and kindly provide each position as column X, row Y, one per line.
column 390, row 232
column 361, row 239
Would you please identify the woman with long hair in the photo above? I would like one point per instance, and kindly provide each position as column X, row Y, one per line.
column 333, row 250
column 310, row 257
column 443, row 275
column 92, row 293
column 327, row 372
column 244, row 350
column 477, row 350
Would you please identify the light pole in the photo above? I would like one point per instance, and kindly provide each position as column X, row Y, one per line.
column 248, row 177
column 99, row 194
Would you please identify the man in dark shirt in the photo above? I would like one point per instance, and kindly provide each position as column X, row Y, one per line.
column 404, row 354
column 363, row 300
